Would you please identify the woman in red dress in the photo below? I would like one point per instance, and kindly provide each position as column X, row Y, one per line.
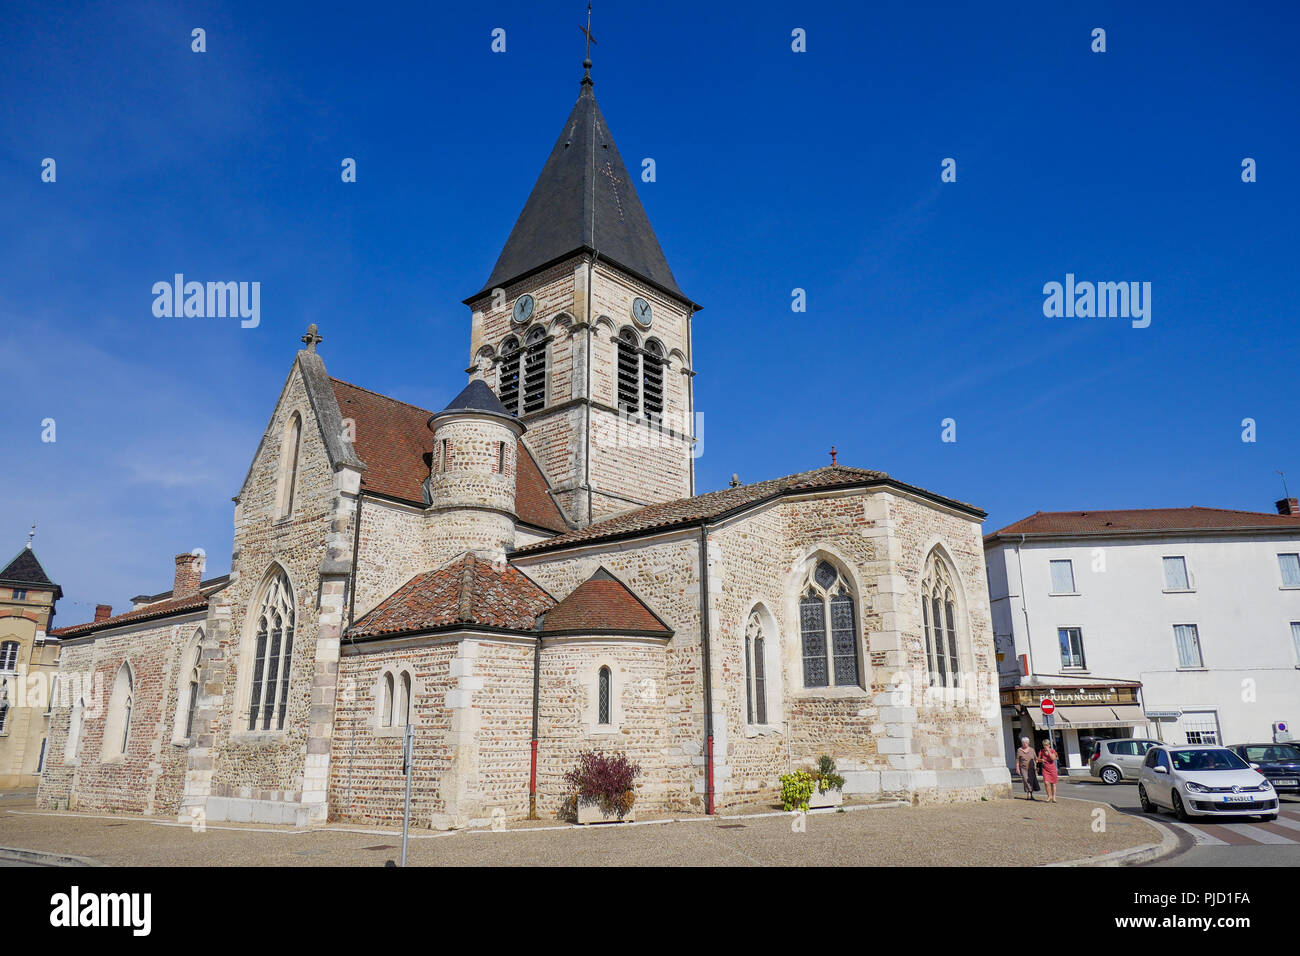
column 1047, row 760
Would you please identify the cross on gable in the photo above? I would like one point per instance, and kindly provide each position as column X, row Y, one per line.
column 312, row 338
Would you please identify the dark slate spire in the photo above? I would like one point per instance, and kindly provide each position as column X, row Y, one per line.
column 477, row 396
column 584, row 200
column 26, row 571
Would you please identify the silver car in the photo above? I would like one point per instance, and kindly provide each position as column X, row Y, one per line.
column 1120, row 759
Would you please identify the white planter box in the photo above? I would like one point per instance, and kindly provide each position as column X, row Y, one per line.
column 592, row 813
column 831, row 798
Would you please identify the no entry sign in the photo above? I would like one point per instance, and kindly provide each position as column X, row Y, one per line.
column 1047, row 707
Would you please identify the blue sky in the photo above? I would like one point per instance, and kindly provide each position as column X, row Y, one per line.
column 776, row 170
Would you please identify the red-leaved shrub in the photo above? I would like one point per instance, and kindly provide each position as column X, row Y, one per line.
column 605, row 779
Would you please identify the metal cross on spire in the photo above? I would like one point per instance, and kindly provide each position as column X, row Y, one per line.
column 586, row 62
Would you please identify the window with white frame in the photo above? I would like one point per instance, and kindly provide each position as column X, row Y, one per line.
column 1071, row 641
column 9, row 656
column 1295, row 639
column 1201, row 729
column 828, row 629
column 1188, row 642
column 1290, row 565
column 755, row 671
column 272, row 656
column 20, row 594
column 4, row 715
column 1062, row 577
column 1176, row 578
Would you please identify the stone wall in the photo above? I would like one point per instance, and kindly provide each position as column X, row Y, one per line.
column 149, row 777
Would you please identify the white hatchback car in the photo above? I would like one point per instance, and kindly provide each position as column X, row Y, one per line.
column 1203, row 781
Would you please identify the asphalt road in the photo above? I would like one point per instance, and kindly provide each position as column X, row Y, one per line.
column 1231, row 841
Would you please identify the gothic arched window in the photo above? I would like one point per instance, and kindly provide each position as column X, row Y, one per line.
column 535, row 370
column 603, row 691
column 117, row 728
column 289, row 450
column 508, row 389
column 755, row 671
column 272, row 656
column 386, row 702
column 828, row 622
column 187, row 691
column 629, row 372
column 404, row 699
column 939, row 620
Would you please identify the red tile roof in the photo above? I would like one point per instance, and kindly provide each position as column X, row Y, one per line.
column 603, row 604
column 393, row 439
column 689, row 511
column 184, row 605
column 467, row 591
column 1135, row 520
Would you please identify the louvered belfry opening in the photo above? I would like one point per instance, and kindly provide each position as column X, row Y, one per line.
column 629, row 372
column 509, row 388
column 534, row 371
column 652, row 381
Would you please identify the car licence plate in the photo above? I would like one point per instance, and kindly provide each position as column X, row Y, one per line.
column 1286, row 782
column 1238, row 798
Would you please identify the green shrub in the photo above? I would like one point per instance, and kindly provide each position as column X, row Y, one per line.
column 796, row 789
column 825, row 775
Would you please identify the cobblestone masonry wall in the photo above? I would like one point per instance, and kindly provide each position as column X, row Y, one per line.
column 569, row 716
column 150, row 776
column 366, row 782
column 665, row 575
column 271, row 765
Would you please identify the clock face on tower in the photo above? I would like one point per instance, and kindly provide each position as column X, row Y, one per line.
column 523, row 308
column 641, row 312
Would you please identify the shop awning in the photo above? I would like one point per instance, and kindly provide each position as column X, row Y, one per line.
column 1121, row 715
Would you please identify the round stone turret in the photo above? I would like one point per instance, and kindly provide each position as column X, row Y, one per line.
column 471, row 483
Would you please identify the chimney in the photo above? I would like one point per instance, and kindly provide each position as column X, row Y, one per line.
column 1288, row 506
column 189, row 570
column 103, row 612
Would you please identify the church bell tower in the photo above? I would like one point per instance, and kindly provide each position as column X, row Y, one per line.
column 584, row 335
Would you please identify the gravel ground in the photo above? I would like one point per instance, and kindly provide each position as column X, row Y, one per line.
column 996, row 833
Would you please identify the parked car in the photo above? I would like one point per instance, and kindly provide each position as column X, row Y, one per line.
column 1203, row 781
column 1119, row 759
column 1279, row 762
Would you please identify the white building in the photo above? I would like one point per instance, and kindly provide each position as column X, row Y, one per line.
column 1181, row 624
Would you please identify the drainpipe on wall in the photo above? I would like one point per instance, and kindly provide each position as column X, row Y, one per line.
column 707, row 668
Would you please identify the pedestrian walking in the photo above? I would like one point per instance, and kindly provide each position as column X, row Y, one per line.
column 1047, row 758
column 1025, row 760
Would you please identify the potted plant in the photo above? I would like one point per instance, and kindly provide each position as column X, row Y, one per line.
column 829, row 790
column 603, row 787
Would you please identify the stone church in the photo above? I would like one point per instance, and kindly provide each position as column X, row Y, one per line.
column 529, row 573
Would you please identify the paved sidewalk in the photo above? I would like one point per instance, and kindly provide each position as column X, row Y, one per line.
column 996, row 833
